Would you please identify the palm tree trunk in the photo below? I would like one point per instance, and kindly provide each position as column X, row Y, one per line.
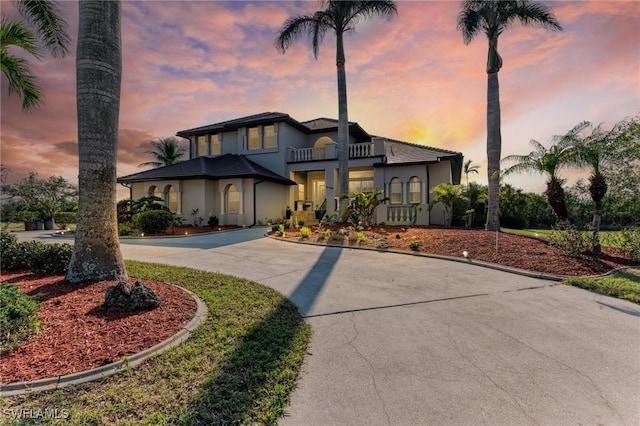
column 343, row 126
column 96, row 254
column 494, row 147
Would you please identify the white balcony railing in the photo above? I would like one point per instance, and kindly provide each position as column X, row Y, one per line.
column 330, row 152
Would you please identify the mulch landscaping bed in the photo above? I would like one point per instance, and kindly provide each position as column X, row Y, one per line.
column 534, row 254
column 78, row 335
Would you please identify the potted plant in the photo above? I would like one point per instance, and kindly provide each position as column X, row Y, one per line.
column 213, row 220
column 29, row 218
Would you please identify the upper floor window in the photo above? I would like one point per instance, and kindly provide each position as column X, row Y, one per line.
column 395, row 190
column 254, row 138
column 216, row 144
column 415, row 190
column 270, row 136
column 202, row 146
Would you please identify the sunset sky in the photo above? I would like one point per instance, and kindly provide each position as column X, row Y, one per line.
column 188, row 64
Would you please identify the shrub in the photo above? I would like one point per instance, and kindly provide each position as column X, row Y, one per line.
column 62, row 219
column 18, row 316
column 414, row 244
column 50, row 259
column 305, row 232
column 14, row 255
column 570, row 241
column 153, row 221
column 628, row 240
column 124, row 229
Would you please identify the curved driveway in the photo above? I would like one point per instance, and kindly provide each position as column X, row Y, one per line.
column 406, row 340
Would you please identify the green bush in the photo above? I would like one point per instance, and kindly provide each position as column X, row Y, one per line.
column 124, row 229
column 628, row 240
column 305, row 232
column 62, row 219
column 51, row 259
column 570, row 241
column 18, row 317
column 153, row 221
column 38, row 257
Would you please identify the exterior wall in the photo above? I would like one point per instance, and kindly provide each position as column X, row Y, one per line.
column 193, row 197
column 382, row 179
column 438, row 173
column 271, row 201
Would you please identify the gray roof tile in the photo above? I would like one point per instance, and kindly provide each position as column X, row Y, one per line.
column 221, row 167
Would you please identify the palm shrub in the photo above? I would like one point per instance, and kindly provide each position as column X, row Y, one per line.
column 447, row 195
column 362, row 207
column 18, row 317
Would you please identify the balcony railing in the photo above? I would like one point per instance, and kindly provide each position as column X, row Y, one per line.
column 402, row 214
column 330, row 152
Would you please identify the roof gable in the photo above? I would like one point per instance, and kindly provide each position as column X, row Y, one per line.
column 399, row 152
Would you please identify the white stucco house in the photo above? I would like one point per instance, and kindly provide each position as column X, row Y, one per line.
column 247, row 171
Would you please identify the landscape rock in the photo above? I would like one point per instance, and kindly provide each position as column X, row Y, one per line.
column 124, row 297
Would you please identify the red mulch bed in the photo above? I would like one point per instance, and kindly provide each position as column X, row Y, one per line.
column 534, row 254
column 190, row 229
column 77, row 335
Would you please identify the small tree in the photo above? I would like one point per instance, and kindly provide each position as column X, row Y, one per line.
column 49, row 196
column 446, row 194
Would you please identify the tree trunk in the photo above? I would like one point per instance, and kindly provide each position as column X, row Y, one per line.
column 96, row 254
column 597, row 189
column 494, row 147
column 343, row 127
column 557, row 200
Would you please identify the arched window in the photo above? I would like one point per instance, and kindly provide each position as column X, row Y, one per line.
column 154, row 192
column 395, row 191
column 319, row 151
column 233, row 199
column 415, row 190
column 171, row 199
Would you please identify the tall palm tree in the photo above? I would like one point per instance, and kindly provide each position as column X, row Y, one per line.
column 493, row 17
column 469, row 167
column 96, row 252
column 50, row 28
column 339, row 17
column 549, row 162
column 167, row 151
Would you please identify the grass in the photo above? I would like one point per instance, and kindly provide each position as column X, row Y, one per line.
column 623, row 284
column 239, row 367
column 607, row 238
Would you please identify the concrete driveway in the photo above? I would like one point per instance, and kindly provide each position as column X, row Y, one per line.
column 406, row 340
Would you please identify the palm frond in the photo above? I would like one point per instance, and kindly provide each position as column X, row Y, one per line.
column 292, row 29
column 14, row 33
column 46, row 18
column 21, row 80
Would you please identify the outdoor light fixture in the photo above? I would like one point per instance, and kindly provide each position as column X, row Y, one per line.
column 465, row 254
column 142, row 234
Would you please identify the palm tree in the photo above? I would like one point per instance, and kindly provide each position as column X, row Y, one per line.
column 549, row 162
column 167, row 151
column 593, row 151
column 469, row 167
column 340, row 17
column 50, row 27
column 446, row 194
column 96, row 252
column 493, row 17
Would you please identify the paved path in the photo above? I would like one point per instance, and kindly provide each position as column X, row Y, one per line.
column 404, row 340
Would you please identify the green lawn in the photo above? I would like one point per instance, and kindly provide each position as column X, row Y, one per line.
column 607, row 238
column 239, row 367
column 623, row 284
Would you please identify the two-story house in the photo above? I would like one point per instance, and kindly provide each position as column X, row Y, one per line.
column 250, row 170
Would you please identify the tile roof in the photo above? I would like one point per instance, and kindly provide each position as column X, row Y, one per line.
column 251, row 120
column 399, row 152
column 221, row 167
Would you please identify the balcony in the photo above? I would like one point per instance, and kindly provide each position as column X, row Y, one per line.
column 330, row 152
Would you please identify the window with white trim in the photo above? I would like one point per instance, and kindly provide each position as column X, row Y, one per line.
column 395, row 191
column 269, row 133
column 233, row 199
column 216, row 144
column 202, row 146
column 171, row 199
column 415, row 190
column 360, row 181
column 254, row 138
